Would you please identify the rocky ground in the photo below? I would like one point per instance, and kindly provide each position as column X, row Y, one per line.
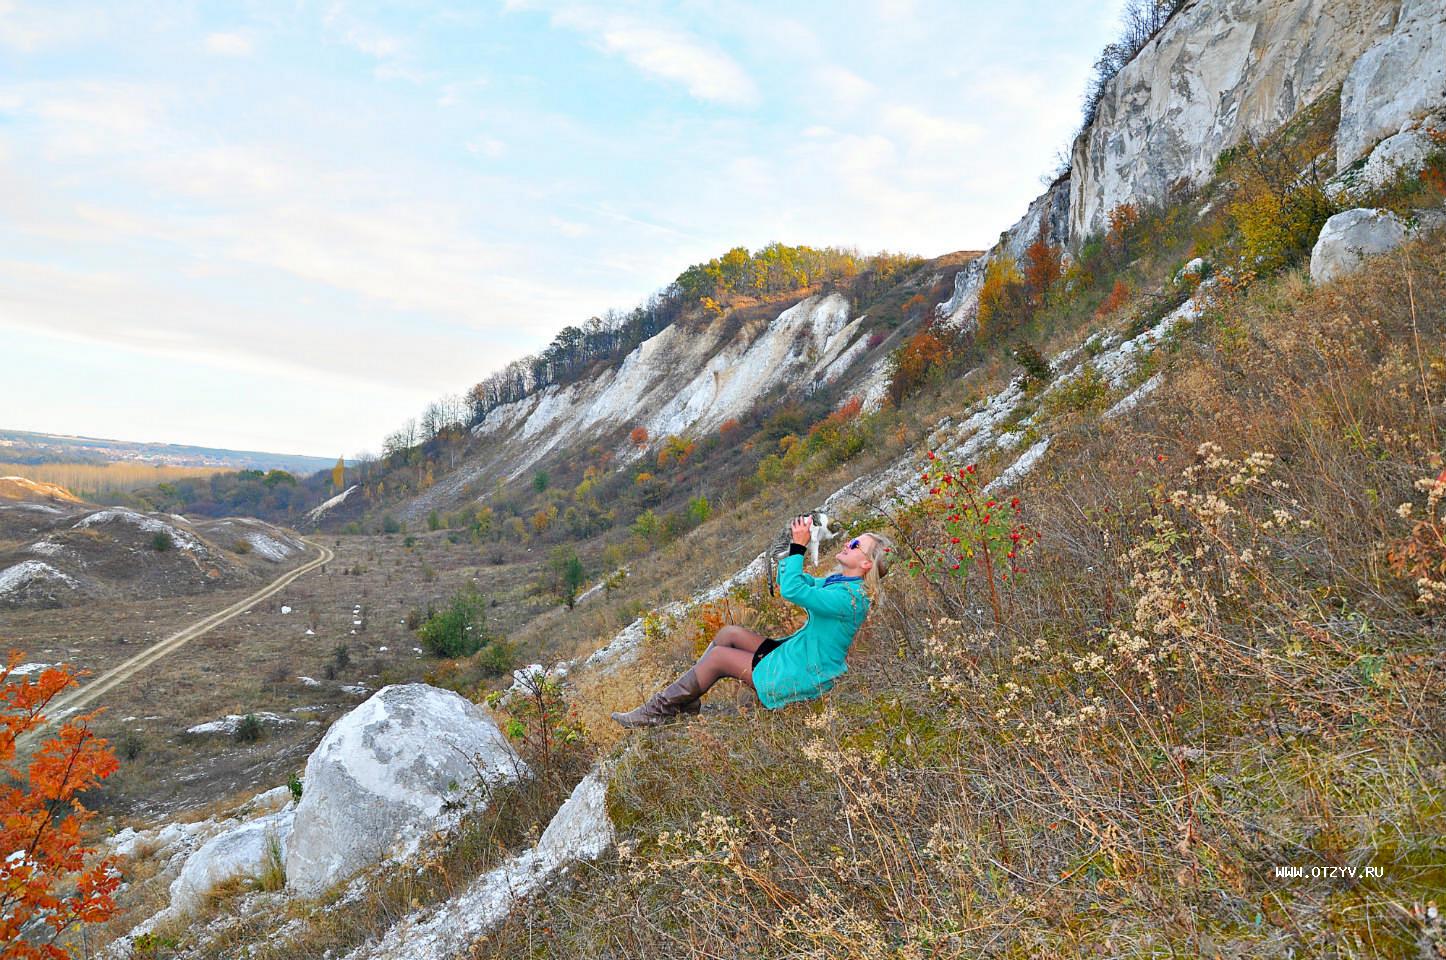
column 278, row 659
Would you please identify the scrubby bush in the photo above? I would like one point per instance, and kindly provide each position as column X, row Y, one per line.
column 161, row 541
column 458, row 630
column 248, row 730
column 1003, row 299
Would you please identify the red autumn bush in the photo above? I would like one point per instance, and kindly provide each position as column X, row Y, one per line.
column 44, row 883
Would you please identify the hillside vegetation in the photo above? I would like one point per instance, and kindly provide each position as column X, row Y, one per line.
column 1179, row 693
column 1204, row 717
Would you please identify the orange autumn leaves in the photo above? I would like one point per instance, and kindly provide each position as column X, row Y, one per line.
column 45, row 886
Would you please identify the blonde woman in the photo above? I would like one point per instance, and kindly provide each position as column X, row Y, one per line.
column 804, row 664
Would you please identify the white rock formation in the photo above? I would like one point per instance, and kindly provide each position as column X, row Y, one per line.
column 1349, row 237
column 1403, row 153
column 1049, row 211
column 1395, row 82
column 316, row 513
column 29, row 573
column 229, row 724
column 1219, row 71
column 380, row 779
column 242, row 851
column 680, row 380
column 580, row 830
column 182, row 539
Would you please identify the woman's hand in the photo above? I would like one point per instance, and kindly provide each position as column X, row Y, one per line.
column 802, row 530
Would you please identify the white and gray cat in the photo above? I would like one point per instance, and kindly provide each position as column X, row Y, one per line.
column 778, row 549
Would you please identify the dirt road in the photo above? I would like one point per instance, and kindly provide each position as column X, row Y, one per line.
column 76, row 700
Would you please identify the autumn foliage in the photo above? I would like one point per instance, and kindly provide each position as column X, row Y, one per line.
column 1116, row 299
column 925, row 350
column 850, row 409
column 639, row 436
column 1043, row 265
column 1122, row 219
column 45, row 887
column 1001, row 297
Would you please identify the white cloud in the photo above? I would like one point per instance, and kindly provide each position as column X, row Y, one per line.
column 229, row 44
column 569, row 228
column 88, row 118
column 30, row 27
column 489, row 147
column 847, row 88
column 925, row 131
column 664, row 51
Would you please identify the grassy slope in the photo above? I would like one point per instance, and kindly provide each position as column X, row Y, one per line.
column 1187, row 689
column 1266, row 693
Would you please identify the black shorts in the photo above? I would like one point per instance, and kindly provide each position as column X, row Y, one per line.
column 765, row 648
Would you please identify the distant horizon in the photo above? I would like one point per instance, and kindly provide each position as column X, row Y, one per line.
column 276, row 231
column 5, row 429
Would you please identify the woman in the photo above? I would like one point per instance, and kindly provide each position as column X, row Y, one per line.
column 802, row 665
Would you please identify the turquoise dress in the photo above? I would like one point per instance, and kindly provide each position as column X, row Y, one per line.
column 811, row 659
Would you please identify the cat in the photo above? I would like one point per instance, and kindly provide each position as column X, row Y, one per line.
column 778, row 549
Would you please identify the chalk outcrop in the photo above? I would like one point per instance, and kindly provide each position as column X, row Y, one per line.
column 580, row 830
column 685, row 379
column 1348, row 238
column 383, row 778
column 248, row 851
column 1219, row 71
column 1395, row 83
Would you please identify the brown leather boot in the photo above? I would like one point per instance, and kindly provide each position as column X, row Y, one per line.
column 683, row 693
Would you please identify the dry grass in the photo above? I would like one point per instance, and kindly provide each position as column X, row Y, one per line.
column 1210, row 672
column 88, row 478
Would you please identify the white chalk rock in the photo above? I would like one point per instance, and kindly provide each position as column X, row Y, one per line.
column 240, row 852
column 380, row 778
column 1348, row 238
column 580, row 830
column 1399, row 78
column 1406, row 152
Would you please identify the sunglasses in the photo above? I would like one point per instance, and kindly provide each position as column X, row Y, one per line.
column 854, row 544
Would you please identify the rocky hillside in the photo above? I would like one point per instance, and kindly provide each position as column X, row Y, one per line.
column 1195, row 706
column 56, row 550
column 688, row 380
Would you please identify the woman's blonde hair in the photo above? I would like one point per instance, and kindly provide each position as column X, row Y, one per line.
column 881, row 553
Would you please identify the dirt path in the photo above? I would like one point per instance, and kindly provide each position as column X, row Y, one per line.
column 74, row 701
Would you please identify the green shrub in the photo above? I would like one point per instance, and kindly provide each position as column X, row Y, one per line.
column 161, row 541
column 248, row 730
column 390, row 524
column 132, row 745
column 460, row 629
column 1036, row 367
column 496, row 659
column 1088, row 391
column 699, row 509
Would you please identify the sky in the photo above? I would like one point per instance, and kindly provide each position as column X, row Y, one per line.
column 288, row 226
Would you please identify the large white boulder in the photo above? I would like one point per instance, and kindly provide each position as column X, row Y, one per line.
column 1348, row 238
column 242, row 851
column 381, row 777
column 1398, row 79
